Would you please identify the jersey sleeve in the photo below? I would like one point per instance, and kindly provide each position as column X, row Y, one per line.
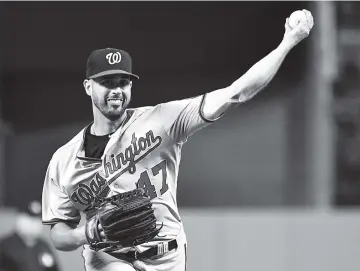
column 56, row 205
column 182, row 118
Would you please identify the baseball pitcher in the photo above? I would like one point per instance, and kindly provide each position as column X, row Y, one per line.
column 120, row 171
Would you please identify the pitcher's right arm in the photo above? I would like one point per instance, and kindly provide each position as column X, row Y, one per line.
column 67, row 237
column 59, row 212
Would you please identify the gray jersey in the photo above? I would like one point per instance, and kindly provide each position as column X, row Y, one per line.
column 146, row 151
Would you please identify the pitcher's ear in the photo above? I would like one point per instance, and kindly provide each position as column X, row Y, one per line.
column 87, row 86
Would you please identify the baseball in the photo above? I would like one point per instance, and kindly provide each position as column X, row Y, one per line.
column 296, row 18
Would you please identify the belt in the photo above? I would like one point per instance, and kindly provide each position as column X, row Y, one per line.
column 156, row 250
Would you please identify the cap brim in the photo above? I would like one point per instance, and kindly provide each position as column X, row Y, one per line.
column 109, row 72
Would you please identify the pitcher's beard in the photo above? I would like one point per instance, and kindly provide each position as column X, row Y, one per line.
column 114, row 115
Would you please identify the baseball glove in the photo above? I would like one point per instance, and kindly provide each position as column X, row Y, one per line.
column 127, row 220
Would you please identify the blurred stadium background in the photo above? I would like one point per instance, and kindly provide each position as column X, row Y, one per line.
column 274, row 185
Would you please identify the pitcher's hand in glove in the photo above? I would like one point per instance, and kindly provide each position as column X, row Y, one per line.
column 123, row 220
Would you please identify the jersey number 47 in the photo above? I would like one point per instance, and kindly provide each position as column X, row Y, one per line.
column 145, row 183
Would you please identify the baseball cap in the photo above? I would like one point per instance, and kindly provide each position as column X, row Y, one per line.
column 109, row 61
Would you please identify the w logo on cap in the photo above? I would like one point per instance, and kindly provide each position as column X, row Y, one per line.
column 113, row 58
